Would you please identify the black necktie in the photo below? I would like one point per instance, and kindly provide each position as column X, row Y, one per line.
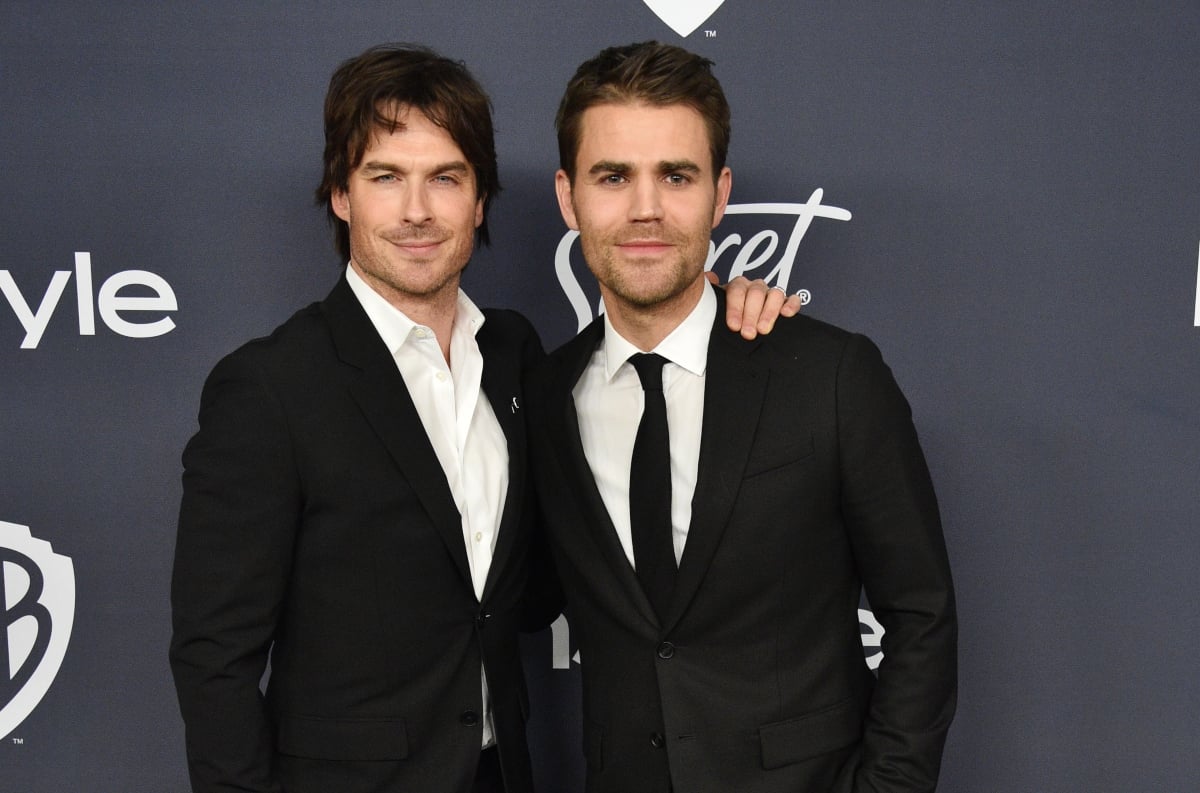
column 650, row 489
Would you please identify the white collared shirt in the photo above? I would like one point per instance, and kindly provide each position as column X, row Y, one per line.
column 458, row 419
column 609, row 401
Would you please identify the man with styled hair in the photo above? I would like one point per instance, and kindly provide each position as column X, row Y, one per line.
column 356, row 502
column 732, row 498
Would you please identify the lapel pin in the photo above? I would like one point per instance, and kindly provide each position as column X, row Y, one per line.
column 515, row 407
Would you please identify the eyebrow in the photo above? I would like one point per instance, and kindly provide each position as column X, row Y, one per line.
column 610, row 166
column 673, row 166
column 666, row 166
column 454, row 166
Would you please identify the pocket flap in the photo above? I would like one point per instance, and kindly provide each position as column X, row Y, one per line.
column 763, row 460
column 342, row 739
column 793, row 740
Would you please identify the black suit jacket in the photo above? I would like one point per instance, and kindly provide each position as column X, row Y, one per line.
column 811, row 487
column 317, row 526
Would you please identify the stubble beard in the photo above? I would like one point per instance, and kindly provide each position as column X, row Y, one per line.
column 405, row 276
column 661, row 281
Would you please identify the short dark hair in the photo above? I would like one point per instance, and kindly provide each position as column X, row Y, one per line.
column 657, row 74
column 365, row 94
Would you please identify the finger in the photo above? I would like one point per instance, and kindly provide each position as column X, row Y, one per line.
column 791, row 306
column 772, row 304
column 712, row 277
column 752, row 308
column 735, row 298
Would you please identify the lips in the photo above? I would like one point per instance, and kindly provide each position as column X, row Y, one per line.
column 417, row 246
column 423, row 245
column 644, row 246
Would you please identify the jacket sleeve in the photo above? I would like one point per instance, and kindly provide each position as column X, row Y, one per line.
column 233, row 552
column 896, row 536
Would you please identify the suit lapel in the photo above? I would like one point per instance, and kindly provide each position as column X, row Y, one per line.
column 381, row 394
column 734, row 388
column 564, row 428
column 501, row 385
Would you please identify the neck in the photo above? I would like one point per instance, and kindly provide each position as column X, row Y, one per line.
column 647, row 325
column 436, row 314
column 435, row 310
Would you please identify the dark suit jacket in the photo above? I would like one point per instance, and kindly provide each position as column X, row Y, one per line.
column 317, row 525
column 811, row 487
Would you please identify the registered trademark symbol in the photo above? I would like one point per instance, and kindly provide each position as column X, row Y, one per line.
column 710, row 34
column 805, row 297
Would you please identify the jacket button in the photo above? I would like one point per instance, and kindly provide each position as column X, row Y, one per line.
column 469, row 718
column 656, row 740
column 666, row 650
column 480, row 619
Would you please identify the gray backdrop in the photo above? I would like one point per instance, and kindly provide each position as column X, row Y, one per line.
column 1023, row 242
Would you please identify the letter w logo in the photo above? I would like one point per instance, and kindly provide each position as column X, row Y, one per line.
column 37, row 610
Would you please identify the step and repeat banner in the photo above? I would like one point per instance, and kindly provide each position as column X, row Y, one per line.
column 1004, row 195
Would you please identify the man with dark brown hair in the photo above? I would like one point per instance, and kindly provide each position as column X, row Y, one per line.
column 356, row 505
column 732, row 498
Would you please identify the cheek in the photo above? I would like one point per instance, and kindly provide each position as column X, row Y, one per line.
column 600, row 215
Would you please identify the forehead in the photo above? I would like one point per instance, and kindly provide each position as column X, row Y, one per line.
column 414, row 134
column 635, row 131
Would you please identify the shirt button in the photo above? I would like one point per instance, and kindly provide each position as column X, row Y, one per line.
column 656, row 740
column 441, row 376
column 478, row 536
column 666, row 650
column 421, row 333
column 469, row 718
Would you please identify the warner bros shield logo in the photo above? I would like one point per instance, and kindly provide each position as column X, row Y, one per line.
column 37, row 610
column 683, row 16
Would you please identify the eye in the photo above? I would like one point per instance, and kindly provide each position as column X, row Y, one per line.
column 612, row 178
column 384, row 178
column 678, row 178
column 446, row 179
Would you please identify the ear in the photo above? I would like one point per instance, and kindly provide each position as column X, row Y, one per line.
column 724, row 185
column 340, row 201
column 566, row 203
column 479, row 211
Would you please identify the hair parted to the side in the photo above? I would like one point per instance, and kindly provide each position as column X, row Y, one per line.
column 650, row 72
column 366, row 93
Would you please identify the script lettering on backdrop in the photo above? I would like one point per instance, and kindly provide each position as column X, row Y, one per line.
column 109, row 302
column 753, row 255
column 37, row 611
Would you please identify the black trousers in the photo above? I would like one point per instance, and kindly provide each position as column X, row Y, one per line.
column 487, row 774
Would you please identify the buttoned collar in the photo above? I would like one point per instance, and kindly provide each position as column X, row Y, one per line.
column 686, row 345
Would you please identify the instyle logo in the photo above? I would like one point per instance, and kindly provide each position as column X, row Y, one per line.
column 113, row 302
column 764, row 245
column 683, row 16
column 37, row 610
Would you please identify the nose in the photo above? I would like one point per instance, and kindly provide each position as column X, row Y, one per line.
column 416, row 208
column 646, row 203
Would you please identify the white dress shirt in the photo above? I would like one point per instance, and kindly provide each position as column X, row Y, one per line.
column 609, row 401
column 458, row 419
